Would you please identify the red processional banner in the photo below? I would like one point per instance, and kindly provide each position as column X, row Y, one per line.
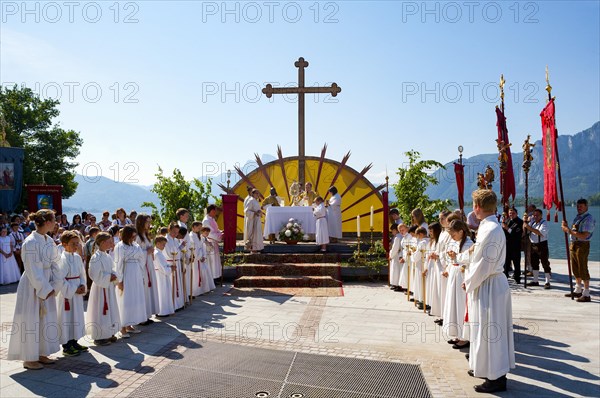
column 459, row 171
column 507, row 178
column 549, row 148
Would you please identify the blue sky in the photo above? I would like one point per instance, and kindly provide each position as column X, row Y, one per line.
column 176, row 84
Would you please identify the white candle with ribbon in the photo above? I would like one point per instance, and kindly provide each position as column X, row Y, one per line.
column 358, row 226
column 371, row 219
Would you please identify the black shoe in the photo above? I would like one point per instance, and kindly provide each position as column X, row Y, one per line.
column 471, row 373
column 518, row 281
column 533, row 283
column 490, row 386
column 575, row 295
column 397, row 289
column 80, row 347
column 467, row 356
column 547, row 285
column 392, row 287
column 458, row 347
column 420, row 306
column 452, row 341
column 438, row 321
column 102, row 342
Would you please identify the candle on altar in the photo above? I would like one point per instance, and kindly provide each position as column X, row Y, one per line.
column 371, row 218
column 358, row 226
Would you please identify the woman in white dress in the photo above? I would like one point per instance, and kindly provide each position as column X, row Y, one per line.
column 131, row 296
column 34, row 335
column 9, row 269
column 142, row 225
column 456, row 298
column 103, row 320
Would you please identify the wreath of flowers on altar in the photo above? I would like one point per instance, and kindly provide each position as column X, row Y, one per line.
column 292, row 230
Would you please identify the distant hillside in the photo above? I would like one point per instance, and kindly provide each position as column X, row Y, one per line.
column 579, row 159
column 101, row 193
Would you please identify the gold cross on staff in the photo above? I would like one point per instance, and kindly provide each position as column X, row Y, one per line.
column 269, row 90
column 502, row 82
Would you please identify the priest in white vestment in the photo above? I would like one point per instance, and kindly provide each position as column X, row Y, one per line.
column 491, row 307
column 334, row 215
column 252, row 223
column 214, row 238
column 33, row 336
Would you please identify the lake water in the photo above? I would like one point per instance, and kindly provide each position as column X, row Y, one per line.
column 556, row 239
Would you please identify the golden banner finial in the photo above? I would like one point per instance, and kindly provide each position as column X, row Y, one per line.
column 548, row 86
column 502, row 82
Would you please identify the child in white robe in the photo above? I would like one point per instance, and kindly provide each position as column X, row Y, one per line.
column 9, row 269
column 72, row 285
column 456, row 299
column 164, row 285
column 131, row 296
column 420, row 262
column 142, row 225
column 433, row 271
column 103, row 319
column 208, row 279
column 394, row 257
column 172, row 253
column 322, row 229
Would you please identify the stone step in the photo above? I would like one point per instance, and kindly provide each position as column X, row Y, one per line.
column 262, row 258
column 286, row 281
column 289, row 269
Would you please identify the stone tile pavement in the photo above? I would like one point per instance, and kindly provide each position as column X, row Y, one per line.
column 557, row 341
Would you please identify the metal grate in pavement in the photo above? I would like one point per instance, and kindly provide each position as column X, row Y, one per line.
column 217, row 370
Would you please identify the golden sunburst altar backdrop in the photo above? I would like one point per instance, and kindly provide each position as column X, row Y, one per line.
column 357, row 192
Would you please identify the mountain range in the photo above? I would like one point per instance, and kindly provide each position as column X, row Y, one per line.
column 579, row 157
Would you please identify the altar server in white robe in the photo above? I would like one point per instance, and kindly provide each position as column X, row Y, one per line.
column 420, row 263
column 409, row 246
column 131, row 296
column 442, row 259
column 252, row 223
column 103, row 320
column 394, row 257
column 247, row 219
column 434, row 270
column 164, row 280
column 456, row 298
column 187, row 252
column 402, row 274
column 172, row 252
column 203, row 279
column 9, row 268
column 34, row 335
column 491, row 307
column 214, row 238
column 334, row 215
column 71, row 284
column 142, row 226
column 322, row 231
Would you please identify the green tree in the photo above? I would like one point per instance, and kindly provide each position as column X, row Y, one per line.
column 49, row 149
column 175, row 192
column 411, row 186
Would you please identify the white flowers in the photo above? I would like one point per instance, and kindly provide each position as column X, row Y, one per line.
column 291, row 231
column 288, row 233
column 289, row 225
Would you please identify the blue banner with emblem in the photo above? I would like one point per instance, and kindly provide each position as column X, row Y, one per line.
column 11, row 178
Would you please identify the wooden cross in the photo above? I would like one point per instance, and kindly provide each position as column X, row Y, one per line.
column 269, row 90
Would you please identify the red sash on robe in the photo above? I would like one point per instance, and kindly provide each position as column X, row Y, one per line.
column 67, row 305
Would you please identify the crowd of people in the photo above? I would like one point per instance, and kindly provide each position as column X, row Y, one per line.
column 127, row 275
column 457, row 270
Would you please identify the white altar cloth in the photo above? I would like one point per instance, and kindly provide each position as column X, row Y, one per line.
column 277, row 216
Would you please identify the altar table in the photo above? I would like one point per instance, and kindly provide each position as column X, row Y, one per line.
column 277, row 216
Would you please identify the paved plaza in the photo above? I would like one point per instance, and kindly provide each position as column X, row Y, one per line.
column 556, row 340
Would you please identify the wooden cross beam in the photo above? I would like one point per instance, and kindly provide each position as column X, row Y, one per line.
column 269, row 90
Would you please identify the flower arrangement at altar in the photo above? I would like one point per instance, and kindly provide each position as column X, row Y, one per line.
column 291, row 231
